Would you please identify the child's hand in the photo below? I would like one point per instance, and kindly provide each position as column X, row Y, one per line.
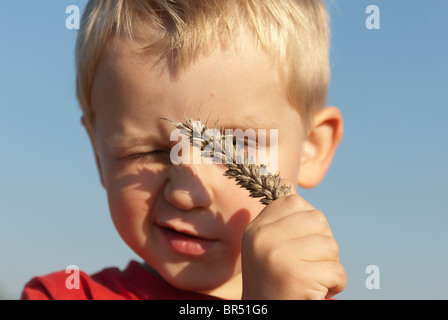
column 289, row 252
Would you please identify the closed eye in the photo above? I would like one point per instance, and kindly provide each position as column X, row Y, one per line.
column 144, row 154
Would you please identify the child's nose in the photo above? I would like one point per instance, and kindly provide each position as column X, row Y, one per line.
column 185, row 189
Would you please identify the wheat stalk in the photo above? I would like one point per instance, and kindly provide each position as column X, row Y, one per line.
column 250, row 176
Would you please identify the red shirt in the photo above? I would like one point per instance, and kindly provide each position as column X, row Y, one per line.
column 133, row 283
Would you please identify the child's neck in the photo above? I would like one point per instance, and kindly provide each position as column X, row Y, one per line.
column 220, row 292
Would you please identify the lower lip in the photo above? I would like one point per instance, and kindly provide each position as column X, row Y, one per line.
column 183, row 244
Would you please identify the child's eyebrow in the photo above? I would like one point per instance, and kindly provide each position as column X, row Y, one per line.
column 122, row 142
column 249, row 124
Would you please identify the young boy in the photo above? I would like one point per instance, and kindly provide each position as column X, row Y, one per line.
column 254, row 64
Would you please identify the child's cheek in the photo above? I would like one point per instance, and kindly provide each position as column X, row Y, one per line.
column 243, row 200
column 130, row 198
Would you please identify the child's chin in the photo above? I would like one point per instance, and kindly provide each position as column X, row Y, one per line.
column 195, row 281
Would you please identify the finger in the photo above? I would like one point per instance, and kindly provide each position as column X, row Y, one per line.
column 311, row 249
column 290, row 184
column 315, row 248
column 330, row 275
column 283, row 207
column 293, row 192
column 297, row 225
column 303, row 224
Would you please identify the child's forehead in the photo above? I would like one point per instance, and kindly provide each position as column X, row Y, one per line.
column 243, row 48
column 237, row 86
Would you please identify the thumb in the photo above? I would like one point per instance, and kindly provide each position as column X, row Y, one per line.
column 276, row 190
column 288, row 184
column 294, row 194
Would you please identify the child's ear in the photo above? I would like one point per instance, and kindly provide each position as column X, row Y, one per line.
column 92, row 141
column 320, row 146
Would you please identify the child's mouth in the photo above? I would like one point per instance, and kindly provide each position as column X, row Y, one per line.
column 186, row 243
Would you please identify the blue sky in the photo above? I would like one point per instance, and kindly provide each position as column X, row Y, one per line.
column 384, row 195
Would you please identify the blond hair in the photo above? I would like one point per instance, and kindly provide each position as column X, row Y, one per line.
column 293, row 33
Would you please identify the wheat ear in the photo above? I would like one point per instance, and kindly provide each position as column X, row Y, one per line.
column 252, row 177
